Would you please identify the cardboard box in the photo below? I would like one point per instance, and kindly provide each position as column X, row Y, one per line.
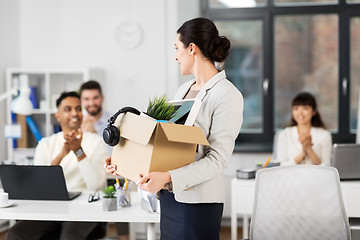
column 149, row 146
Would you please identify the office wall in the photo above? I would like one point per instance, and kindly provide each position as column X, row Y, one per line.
column 70, row 34
column 9, row 55
column 82, row 33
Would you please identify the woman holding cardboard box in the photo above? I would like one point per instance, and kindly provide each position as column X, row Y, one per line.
column 192, row 203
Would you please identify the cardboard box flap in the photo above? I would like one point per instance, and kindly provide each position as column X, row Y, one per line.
column 184, row 134
column 136, row 128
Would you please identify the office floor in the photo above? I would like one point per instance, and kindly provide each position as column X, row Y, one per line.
column 225, row 233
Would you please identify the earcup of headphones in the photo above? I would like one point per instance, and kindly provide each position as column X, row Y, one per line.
column 111, row 135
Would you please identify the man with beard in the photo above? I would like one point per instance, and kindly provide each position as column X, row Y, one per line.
column 95, row 121
column 81, row 155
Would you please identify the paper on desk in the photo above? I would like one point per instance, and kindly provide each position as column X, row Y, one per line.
column 149, row 202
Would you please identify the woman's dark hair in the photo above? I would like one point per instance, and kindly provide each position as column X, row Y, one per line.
column 66, row 95
column 306, row 99
column 203, row 33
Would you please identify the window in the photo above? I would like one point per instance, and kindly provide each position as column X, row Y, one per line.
column 282, row 47
column 236, row 3
column 306, row 59
column 354, row 71
column 245, row 67
column 303, row 2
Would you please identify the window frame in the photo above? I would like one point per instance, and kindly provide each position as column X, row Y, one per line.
column 263, row 142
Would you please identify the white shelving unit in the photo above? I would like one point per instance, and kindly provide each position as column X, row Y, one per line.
column 49, row 84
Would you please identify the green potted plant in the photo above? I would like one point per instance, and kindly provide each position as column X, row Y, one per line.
column 160, row 108
column 109, row 199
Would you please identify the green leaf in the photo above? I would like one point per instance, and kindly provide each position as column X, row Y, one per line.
column 160, row 108
column 109, row 192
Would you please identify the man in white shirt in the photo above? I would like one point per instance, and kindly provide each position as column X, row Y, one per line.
column 95, row 121
column 81, row 155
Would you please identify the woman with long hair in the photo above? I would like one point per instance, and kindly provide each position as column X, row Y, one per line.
column 305, row 140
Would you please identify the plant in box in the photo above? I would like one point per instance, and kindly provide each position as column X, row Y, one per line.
column 160, row 109
column 109, row 199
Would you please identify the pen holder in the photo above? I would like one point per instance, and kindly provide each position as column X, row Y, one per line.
column 124, row 197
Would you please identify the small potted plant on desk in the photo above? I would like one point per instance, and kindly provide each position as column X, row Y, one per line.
column 109, row 200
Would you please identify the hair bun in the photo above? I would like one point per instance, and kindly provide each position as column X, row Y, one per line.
column 219, row 46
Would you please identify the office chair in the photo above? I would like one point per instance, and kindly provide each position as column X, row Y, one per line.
column 298, row 202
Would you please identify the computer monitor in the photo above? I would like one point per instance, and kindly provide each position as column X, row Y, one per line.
column 345, row 158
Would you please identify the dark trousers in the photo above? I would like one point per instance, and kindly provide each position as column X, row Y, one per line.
column 32, row 230
column 183, row 221
column 122, row 228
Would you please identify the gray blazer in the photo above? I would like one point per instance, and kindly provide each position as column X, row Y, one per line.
column 220, row 118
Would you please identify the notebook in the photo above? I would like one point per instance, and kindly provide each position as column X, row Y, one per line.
column 345, row 158
column 35, row 182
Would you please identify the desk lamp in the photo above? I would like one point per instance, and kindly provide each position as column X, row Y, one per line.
column 21, row 104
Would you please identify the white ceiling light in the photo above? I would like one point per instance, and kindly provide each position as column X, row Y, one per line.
column 238, row 3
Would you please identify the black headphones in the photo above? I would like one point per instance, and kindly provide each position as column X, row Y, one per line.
column 111, row 133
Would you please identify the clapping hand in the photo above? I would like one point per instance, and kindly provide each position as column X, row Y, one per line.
column 88, row 125
column 73, row 140
column 305, row 140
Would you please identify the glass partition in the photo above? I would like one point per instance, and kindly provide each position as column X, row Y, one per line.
column 306, row 59
column 354, row 72
column 244, row 67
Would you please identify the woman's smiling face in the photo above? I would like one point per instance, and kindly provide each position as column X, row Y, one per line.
column 302, row 114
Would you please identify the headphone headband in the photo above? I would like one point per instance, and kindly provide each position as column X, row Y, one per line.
column 112, row 119
column 111, row 133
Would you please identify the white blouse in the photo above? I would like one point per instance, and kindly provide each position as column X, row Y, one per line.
column 288, row 146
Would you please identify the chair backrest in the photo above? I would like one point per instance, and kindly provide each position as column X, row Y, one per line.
column 298, row 202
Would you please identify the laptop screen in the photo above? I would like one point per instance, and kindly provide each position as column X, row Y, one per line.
column 34, row 182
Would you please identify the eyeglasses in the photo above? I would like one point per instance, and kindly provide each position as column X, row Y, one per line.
column 93, row 197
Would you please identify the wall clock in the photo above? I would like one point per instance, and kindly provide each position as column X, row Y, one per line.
column 128, row 34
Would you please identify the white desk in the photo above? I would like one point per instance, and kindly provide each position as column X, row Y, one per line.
column 80, row 210
column 242, row 199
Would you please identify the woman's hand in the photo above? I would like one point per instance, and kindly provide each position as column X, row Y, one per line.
column 154, row 181
column 111, row 169
column 300, row 158
column 306, row 141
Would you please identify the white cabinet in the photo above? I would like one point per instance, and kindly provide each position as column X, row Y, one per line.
column 48, row 84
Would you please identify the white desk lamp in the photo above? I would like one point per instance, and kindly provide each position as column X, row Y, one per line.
column 21, row 104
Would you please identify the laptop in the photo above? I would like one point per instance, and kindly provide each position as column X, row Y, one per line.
column 345, row 158
column 35, row 182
